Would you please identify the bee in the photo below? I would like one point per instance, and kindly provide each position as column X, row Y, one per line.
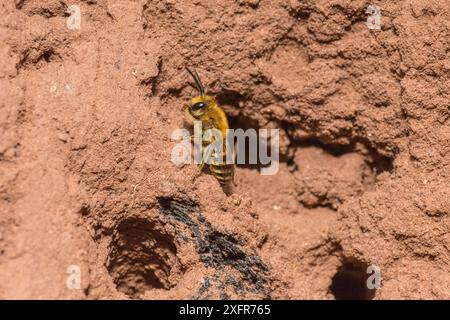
column 205, row 108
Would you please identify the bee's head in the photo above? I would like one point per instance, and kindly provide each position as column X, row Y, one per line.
column 202, row 103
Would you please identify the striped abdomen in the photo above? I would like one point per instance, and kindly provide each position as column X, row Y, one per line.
column 223, row 172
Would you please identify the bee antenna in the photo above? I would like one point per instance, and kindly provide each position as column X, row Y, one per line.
column 198, row 83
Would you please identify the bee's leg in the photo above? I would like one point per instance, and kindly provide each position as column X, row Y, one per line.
column 193, row 140
column 205, row 159
column 198, row 171
column 193, row 137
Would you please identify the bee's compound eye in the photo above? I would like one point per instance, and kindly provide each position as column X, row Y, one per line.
column 199, row 105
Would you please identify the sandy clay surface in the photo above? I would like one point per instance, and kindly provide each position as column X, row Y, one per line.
column 88, row 189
